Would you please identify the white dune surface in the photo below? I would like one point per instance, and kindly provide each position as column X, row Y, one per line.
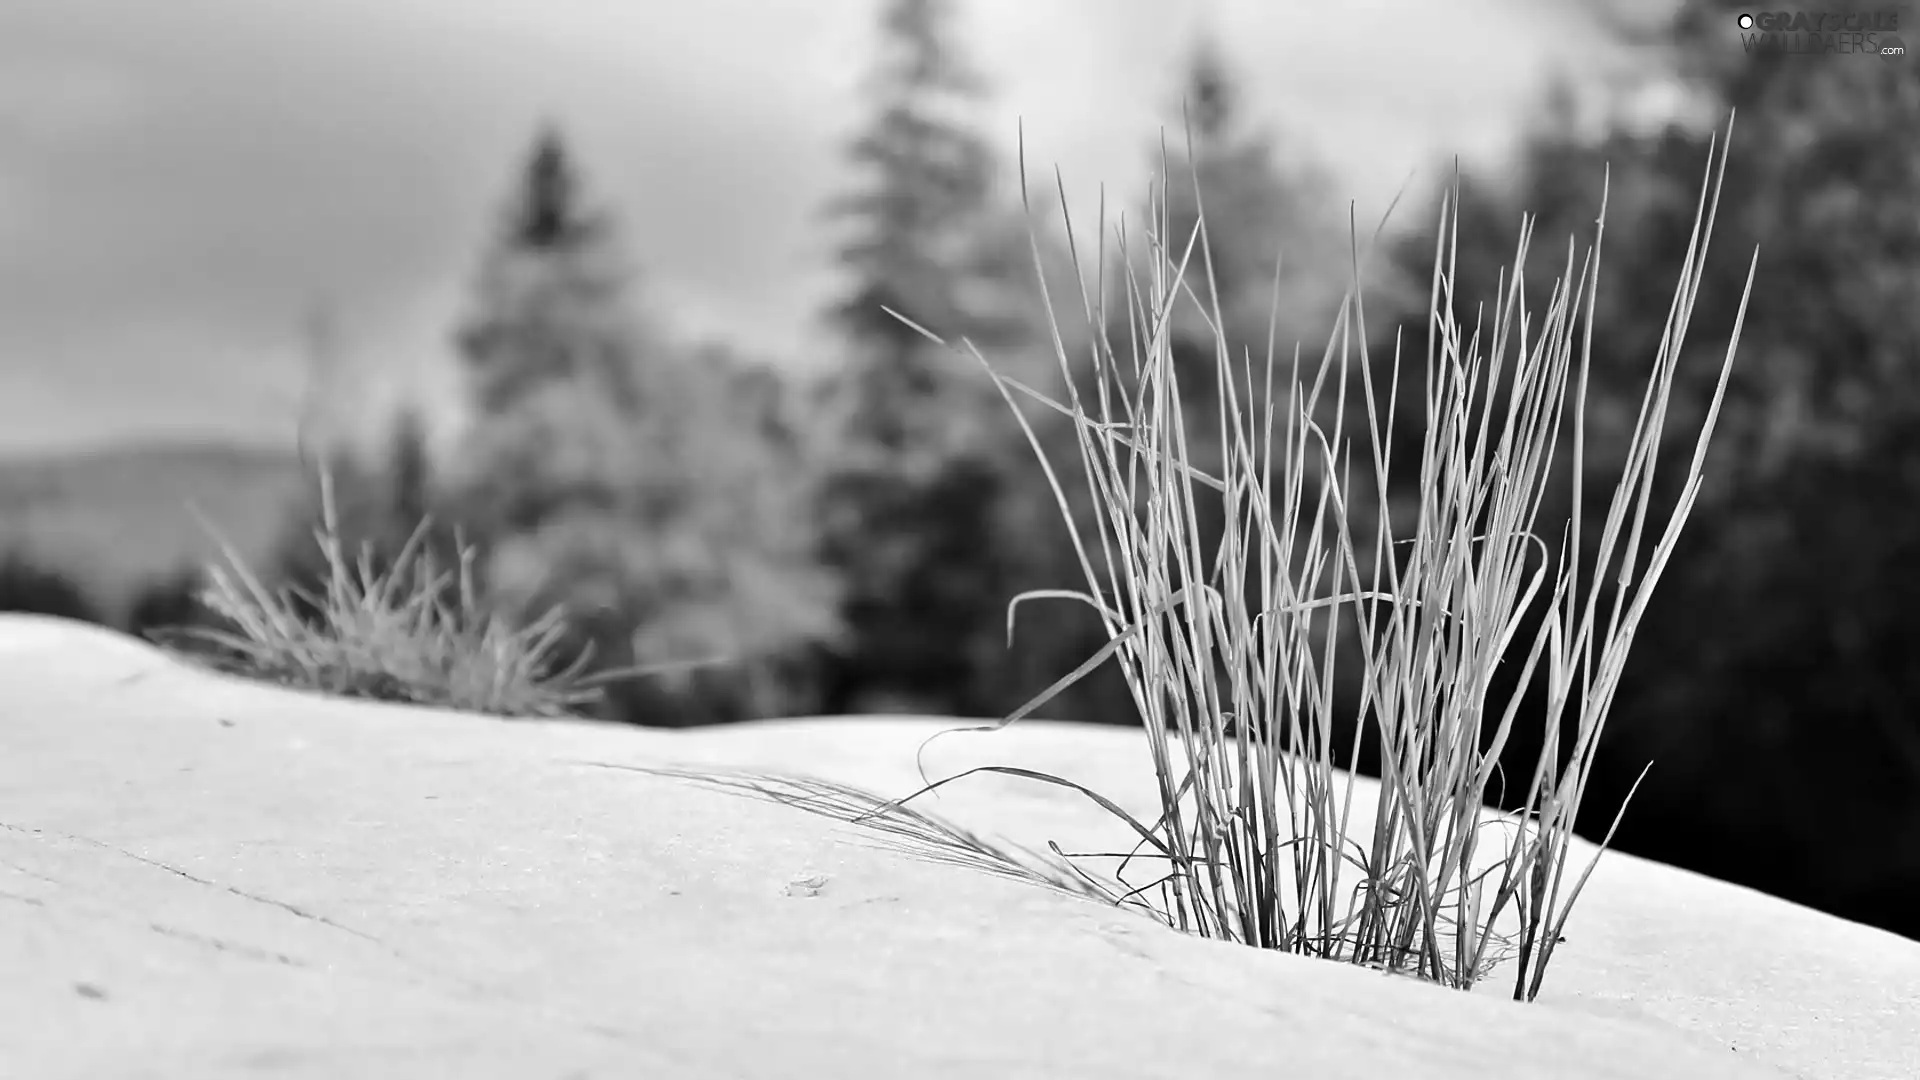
column 204, row 876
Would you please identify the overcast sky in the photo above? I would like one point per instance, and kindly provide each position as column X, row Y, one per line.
column 182, row 180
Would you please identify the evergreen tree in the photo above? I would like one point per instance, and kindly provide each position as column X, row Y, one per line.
column 913, row 228
column 552, row 292
column 610, row 473
column 911, row 507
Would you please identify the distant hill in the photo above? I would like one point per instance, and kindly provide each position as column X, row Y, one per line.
column 115, row 517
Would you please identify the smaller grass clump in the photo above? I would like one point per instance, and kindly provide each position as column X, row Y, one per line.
column 1231, row 653
column 412, row 634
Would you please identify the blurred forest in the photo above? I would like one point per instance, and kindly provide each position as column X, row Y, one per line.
column 849, row 544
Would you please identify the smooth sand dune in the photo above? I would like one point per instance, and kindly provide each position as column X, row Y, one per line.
column 206, row 877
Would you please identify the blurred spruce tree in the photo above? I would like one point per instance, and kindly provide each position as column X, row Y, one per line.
column 621, row 476
column 551, row 299
column 927, row 451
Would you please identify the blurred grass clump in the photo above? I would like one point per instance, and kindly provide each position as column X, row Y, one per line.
column 410, row 632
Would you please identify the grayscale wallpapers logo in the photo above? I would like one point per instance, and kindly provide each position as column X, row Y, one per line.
column 1823, row 33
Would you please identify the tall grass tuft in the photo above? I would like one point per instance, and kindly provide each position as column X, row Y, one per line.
column 1231, row 654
